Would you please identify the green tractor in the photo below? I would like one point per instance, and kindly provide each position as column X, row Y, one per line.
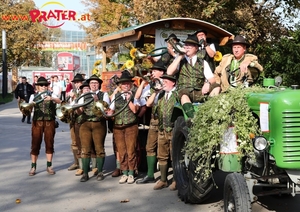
column 275, row 166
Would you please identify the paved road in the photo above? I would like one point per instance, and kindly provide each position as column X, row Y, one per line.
column 64, row 192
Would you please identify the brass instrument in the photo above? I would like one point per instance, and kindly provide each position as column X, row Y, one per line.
column 101, row 107
column 64, row 111
column 176, row 45
column 26, row 108
column 163, row 50
column 155, row 83
column 59, row 114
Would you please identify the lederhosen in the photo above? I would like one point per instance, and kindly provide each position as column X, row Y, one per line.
column 125, row 134
column 75, row 123
column 92, row 131
column 151, row 146
column 43, row 123
column 165, row 109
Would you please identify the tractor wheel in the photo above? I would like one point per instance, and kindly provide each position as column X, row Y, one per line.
column 236, row 194
column 189, row 190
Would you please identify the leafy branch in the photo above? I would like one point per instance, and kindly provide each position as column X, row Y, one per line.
column 212, row 119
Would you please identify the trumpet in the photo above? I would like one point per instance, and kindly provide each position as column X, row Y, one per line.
column 26, row 108
column 64, row 111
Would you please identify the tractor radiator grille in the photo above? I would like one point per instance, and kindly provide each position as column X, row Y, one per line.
column 291, row 136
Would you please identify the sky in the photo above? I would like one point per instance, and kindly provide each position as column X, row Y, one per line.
column 74, row 5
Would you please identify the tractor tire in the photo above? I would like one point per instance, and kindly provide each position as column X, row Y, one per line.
column 189, row 190
column 236, row 194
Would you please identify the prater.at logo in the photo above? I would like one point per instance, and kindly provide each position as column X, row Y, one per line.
column 59, row 15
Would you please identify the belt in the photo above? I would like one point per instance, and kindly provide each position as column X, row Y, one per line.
column 124, row 125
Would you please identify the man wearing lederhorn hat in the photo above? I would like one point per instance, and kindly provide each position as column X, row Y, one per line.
column 196, row 79
column 158, row 69
column 74, row 127
column 244, row 66
column 165, row 104
column 93, row 131
column 168, row 57
column 125, row 126
column 43, row 124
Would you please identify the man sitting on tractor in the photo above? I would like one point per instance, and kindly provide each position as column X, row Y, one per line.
column 196, row 79
column 238, row 67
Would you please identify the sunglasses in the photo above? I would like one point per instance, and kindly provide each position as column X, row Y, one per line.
column 44, row 85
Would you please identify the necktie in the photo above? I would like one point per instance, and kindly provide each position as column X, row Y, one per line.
column 191, row 62
column 167, row 95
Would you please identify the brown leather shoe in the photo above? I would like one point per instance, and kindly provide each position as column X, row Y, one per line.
column 173, row 186
column 32, row 172
column 74, row 166
column 79, row 172
column 160, row 185
column 50, row 170
column 116, row 173
column 95, row 171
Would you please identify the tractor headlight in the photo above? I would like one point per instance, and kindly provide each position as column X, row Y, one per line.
column 260, row 143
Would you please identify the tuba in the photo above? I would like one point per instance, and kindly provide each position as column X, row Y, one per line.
column 26, row 108
column 65, row 110
column 100, row 107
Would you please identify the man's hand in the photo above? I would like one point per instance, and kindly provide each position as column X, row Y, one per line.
column 205, row 88
column 244, row 66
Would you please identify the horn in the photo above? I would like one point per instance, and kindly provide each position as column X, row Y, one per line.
column 26, row 108
column 156, row 84
column 139, row 54
column 177, row 46
column 68, row 108
column 60, row 115
column 101, row 107
column 163, row 51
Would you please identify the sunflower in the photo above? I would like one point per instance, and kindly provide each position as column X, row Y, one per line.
column 95, row 72
column 129, row 64
column 97, row 63
column 218, row 56
column 132, row 53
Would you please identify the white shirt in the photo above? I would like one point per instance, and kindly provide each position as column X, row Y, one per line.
column 113, row 106
column 169, row 93
column 145, row 94
column 105, row 98
column 212, row 46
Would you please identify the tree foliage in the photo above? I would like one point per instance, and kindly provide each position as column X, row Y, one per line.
column 283, row 58
column 264, row 23
column 22, row 36
column 107, row 16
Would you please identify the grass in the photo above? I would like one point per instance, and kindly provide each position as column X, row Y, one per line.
column 8, row 98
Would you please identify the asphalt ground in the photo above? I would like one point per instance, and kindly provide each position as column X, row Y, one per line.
column 64, row 191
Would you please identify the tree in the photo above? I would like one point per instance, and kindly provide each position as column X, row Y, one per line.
column 22, row 36
column 107, row 16
column 283, row 58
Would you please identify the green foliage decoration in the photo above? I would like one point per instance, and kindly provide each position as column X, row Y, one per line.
column 212, row 119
